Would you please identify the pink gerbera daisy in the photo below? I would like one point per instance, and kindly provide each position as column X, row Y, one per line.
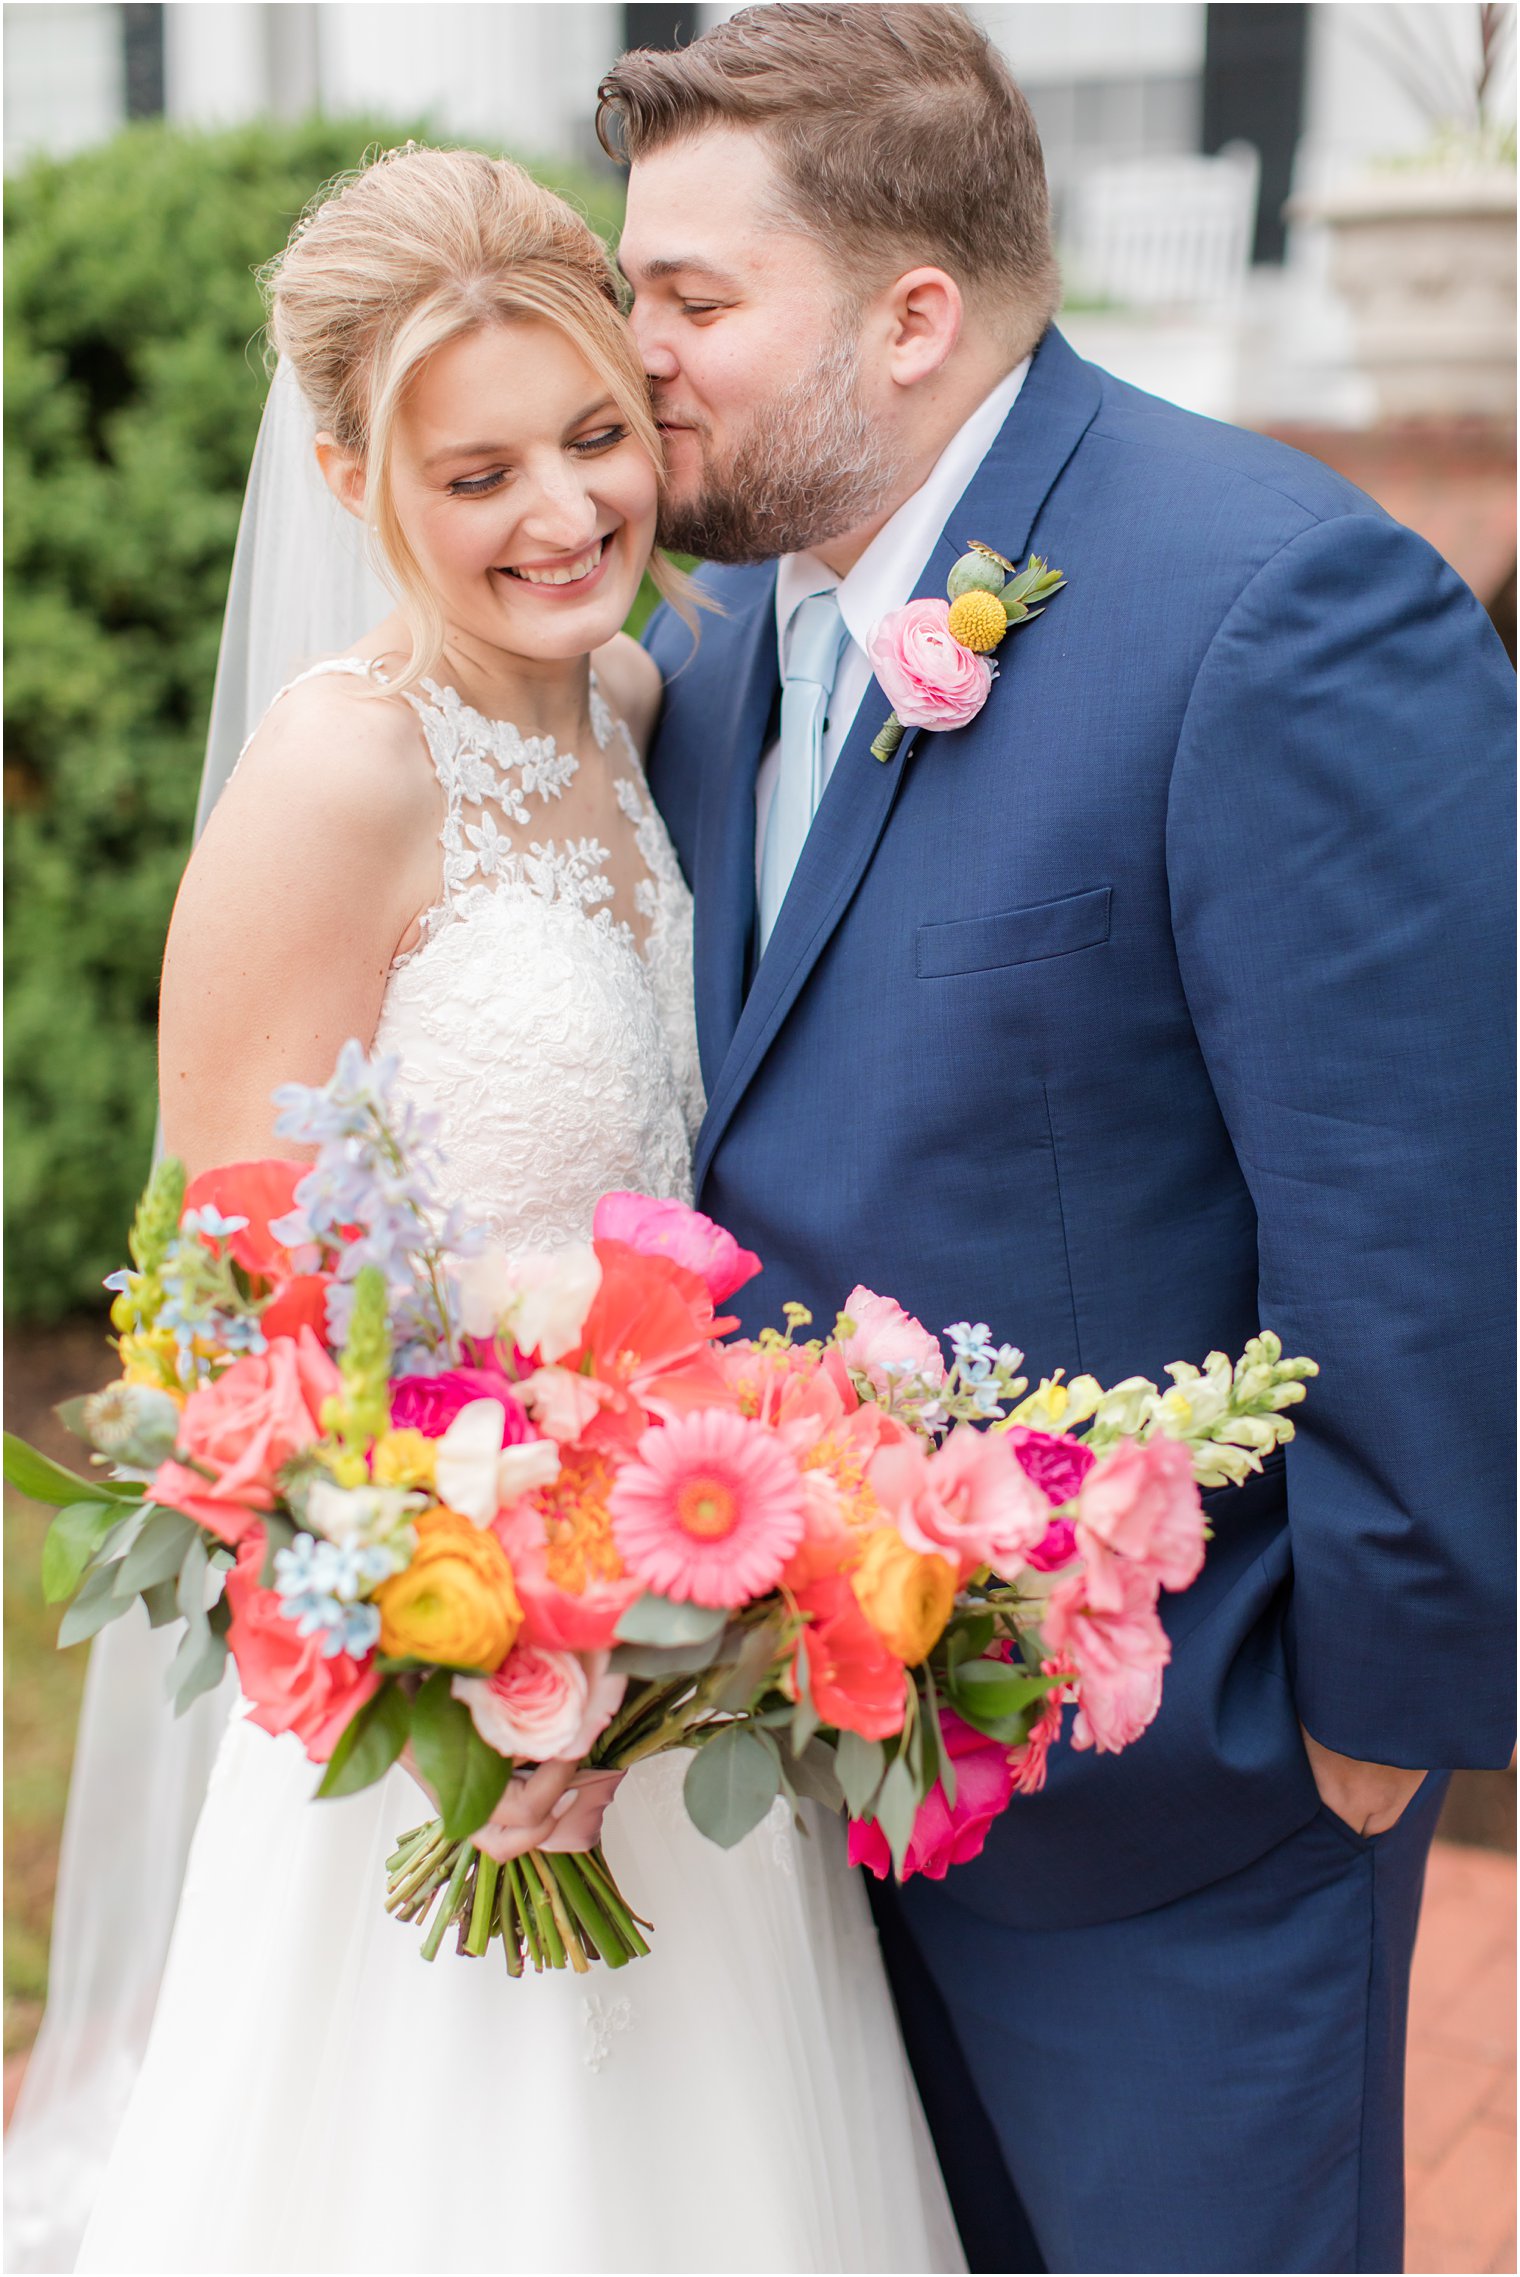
column 711, row 1509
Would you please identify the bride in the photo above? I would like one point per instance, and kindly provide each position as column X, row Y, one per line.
column 442, row 842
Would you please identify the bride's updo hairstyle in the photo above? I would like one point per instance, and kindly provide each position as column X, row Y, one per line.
column 416, row 249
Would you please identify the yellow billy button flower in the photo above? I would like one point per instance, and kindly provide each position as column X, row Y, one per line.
column 403, row 1458
column 456, row 1603
column 977, row 621
column 907, row 1595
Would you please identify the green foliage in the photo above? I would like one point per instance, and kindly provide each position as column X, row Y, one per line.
column 134, row 382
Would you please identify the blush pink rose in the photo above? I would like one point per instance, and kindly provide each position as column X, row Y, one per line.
column 1118, row 1648
column 670, row 1229
column 888, row 1343
column 1141, row 1503
column 542, row 1704
column 925, row 674
column 969, row 1501
column 946, row 1834
column 243, row 1428
column 291, row 1685
column 429, row 1404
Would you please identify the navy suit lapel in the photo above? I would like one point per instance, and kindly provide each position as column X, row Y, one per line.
column 1055, row 407
column 724, row 879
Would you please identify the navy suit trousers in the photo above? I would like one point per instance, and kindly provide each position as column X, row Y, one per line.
column 1081, row 2082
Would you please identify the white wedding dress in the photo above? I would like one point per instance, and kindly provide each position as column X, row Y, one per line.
column 314, row 2096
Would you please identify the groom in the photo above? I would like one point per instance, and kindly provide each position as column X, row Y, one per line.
column 1166, row 999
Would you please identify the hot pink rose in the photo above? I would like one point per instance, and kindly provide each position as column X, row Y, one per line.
column 543, row 1705
column 291, row 1684
column 1055, row 1464
column 946, row 1834
column 429, row 1404
column 670, row 1229
column 968, row 1501
column 889, row 1343
column 1119, row 1649
column 1056, row 1547
column 243, row 1428
column 1141, row 1503
column 925, row 674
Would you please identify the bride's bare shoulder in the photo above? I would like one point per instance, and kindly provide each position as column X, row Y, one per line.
column 630, row 681
column 336, row 744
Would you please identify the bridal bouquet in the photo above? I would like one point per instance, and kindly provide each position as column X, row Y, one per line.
column 491, row 1511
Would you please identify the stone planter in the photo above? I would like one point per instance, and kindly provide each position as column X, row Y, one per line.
column 1425, row 259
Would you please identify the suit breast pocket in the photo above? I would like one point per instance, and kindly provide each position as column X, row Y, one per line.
column 1014, row 936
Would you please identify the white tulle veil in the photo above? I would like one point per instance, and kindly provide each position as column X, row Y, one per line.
column 302, row 587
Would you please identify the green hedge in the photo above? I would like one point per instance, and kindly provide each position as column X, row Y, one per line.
column 134, row 383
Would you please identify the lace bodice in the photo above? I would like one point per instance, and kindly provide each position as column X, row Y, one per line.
column 545, row 1015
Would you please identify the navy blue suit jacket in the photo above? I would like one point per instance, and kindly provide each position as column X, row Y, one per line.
column 1169, row 999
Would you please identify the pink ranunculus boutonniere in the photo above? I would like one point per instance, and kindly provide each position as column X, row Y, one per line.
column 931, row 657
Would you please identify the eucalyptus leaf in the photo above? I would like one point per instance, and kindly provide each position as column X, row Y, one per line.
column 279, row 1533
column 896, row 1809
column 191, row 1589
column 159, row 1549
column 731, row 1783
column 804, row 1718
column 43, row 1481
column 197, row 1666
column 161, row 1603
column 96, row 1604
column 467, row 1777
column 370, row 1743
column 76, row 1533
column 758, row 1649
column 813, row 1773
column 652, row 1620
column 660, row 1662
column 860, row 1765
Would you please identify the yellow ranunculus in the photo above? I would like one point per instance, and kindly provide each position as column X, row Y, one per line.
column 403, row 1458
column 456, row 1603
column 907, row 1595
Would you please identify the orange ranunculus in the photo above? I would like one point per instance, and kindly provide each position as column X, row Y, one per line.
column 907, row 1595
column 856, row 1683
column 456, row 1603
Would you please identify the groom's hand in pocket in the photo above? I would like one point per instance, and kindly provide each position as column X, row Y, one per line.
column 1370, row 1797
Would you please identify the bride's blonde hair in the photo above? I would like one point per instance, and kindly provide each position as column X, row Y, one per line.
column 417, row 248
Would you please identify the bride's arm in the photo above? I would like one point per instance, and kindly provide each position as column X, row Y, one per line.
column 310, row 875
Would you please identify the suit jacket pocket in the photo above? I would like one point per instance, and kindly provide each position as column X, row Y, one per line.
column 1014, row 936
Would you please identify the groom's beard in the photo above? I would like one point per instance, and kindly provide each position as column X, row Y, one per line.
column 810, row 467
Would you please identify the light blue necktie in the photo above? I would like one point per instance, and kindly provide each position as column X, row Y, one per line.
column 815, row 638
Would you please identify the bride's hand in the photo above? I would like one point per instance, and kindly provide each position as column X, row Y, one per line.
column 556, row 1806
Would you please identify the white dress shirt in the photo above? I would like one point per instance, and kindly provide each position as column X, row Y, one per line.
column 882, row 579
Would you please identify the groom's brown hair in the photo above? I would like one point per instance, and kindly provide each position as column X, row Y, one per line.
column 898, row 132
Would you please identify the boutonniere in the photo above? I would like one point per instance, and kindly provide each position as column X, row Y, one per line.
column 931, row 657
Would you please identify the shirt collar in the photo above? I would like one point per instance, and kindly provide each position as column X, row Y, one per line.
column 888, row 570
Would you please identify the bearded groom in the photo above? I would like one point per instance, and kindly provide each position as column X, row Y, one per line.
column 1163, row 1000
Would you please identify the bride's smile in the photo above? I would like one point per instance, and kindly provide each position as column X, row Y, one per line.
column 533, row 540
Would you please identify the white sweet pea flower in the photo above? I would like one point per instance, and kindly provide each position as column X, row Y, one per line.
column 554, row 1291
column 476, row 1475
column 487, row 1285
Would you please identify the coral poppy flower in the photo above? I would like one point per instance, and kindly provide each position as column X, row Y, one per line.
column 856, row 1683
column 647, row 1337
column 257, row 1191
column 711, row 1509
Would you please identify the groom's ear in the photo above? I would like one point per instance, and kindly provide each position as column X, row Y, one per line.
column 924, row 317
column 343, row 473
